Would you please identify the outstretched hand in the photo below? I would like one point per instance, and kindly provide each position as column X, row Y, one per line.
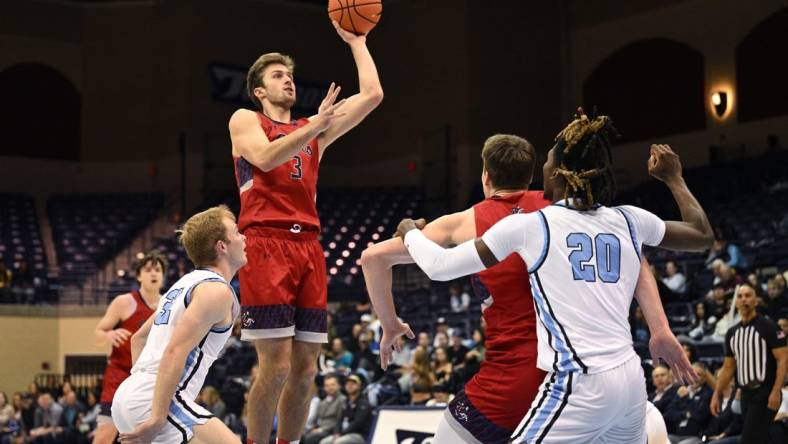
column 327, row 112
column 664, row 164
column 389, row 341
column 664, row 345
column 347, row 36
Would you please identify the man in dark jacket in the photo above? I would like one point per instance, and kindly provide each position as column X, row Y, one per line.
column 356, row 418
column 664, row 392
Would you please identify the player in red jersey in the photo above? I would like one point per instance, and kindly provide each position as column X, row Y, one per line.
column 124, row 316
column 495, row 400
column 283, row 287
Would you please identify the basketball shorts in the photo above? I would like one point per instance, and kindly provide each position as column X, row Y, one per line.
column 132, row 407
column 605, row 407
column 283, row 286
column 113, row 377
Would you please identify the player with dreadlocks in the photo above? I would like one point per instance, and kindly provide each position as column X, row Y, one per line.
column 584, row 262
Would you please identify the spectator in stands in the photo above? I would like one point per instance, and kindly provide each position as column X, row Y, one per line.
column 459, row 300
column 728, row 278
column 775, row 304
column 329, row 412
column 46, row 426
column 419, row 380
column 6, row 417
column 88, row 421
column 181, row 268
column 343, row 359
column 689, row 410
column 728, row 252
column 778, row 433
column 664, row 390
column 356, row 416
column 5, row 282
column 365, row 361
column 210, row 399
column 478, row 343
column 640, row 332
column 441, row 340
column 355, row 333
column 442, row 366
column 718, row 306
column 689, row 351
column 404, row 356
column 27, row 412
column 783, row 324
column 457, row 351
column 756, row 283
column 73, row 410
column 702, row 324
column 728, row 423
column 425, row 342
column 675, row 280
column 65, row 389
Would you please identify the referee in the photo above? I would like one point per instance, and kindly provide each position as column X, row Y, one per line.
column 755, row 349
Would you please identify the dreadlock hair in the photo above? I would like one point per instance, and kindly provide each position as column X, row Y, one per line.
column 584, row 159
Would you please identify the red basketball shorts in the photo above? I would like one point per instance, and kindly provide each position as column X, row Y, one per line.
column 283, row 286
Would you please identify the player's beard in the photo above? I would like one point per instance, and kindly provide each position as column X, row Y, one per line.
column 284, row 101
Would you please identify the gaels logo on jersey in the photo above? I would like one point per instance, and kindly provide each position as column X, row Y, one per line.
column 517, row 210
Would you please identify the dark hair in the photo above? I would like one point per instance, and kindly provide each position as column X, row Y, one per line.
column 152, row 258
column 584, row 158
column 509, row 161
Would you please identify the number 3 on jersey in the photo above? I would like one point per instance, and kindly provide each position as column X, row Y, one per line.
column 163, row 316
column 608, row 257
column 296, row 173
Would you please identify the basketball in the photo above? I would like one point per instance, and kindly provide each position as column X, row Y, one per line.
column 356, row 16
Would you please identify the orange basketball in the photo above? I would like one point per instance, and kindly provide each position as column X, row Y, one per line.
column 356, row 16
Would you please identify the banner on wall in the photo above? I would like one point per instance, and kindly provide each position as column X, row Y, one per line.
column 228, row 84
column 405, row 425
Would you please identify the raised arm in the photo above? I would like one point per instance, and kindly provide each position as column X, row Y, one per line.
column 694, row 232
column 105, row 331
column 377, row 261
column 663, row 343
column 210, row 305
column 370, row 92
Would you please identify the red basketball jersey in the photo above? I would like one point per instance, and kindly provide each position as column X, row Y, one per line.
column 121, row 355
column 285, row 196
column 498, row 390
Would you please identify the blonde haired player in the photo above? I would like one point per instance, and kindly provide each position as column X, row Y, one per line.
column 175, row 348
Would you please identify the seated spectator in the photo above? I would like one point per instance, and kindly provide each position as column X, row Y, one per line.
column 403, row 357
column 689, row 410
column 689, row 351
column 73, row 410
column 664, row 390
column 775, row 304
column 65, row 389
column 343, row 359
column 355, row 334
column 87, row 424
column 478, row 343
column 46, row 426
column 425, row 342
column 640, row 332
column 5, row 283
column 718, row 305
column 210, row 399
column 783, row 324
column 459, row 300
column 457, row 350
column 419, row 379
column 728, row 253
column 442, row 367
column 702, row 324
column 356, row 416
column 329, row 412
column 675, row 280
column 728, row 424
column 365, row 361
column 441, row 340
column 7, row 419
column 27, row 412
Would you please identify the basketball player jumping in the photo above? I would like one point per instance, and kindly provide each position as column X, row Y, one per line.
column 284, row 286
column 584, row 263
column 124, row 316
column 176, row 346
column 495, row 400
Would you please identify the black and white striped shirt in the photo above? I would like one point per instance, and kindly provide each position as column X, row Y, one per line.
column 751, row 345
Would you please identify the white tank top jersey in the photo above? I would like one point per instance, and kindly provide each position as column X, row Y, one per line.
column 583, row 267
column 171, row 308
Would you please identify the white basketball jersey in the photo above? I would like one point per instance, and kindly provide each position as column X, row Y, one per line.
column 583, row 267
column 171, row 308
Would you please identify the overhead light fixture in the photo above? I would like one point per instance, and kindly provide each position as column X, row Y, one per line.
column 720, row 101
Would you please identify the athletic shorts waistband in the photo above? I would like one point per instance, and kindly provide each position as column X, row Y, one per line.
column 307, row 234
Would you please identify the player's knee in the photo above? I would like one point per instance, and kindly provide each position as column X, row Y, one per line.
column 368, row 256
column 304, row 369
